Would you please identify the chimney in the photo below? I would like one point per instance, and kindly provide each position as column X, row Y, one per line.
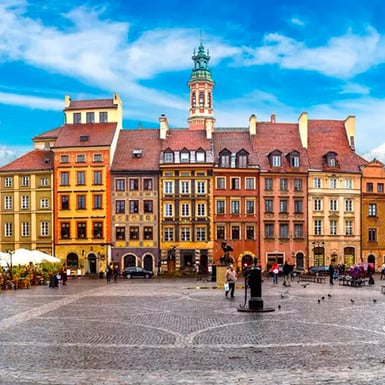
column 272, row 118
column 163, row 126
column 253, row 125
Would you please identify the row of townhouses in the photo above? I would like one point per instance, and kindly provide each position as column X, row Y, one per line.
column 91, row 192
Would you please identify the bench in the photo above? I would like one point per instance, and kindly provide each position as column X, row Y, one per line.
column 311, row 278
column 353, row 282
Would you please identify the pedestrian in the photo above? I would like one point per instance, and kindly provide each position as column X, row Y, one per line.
column 231, row 277
column 275, row 271
column 63, row 274
column 382, row 271
column 109, row 271
column 287, row 269
column 331, row 275
column 116, row 273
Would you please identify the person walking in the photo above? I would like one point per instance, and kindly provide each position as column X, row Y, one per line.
column 382, row 271
column 109, row 271
column 331, row 275
column 275, row 271
column 63, row 274
column 286, row 274
column 231, row 277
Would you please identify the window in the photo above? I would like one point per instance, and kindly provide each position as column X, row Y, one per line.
column 25, row 229
column 242, row 160
column 333, row 205
column 372, row 209
column 168, row 157
column 283, row 206
column 44, row 182
column 120, row 185
column 8, row 229
column 24, row 202
column 200, row 187
column 294, row 161
column 283, row 230
column 44, row 203
column 317, row 204
column 81, row 199
column 349, row 227
column 185, row 234
column 268, row 205
column 184, row 157
column 317, row 183
column 120, row 233
column 8, row 202
column 348, row 205
column 333, row 182
column 249, row 183
column 276, row 161
column 147, row 206
column 134, row 206
column 201, row 99
column 82, row 229
column 147, row 184
column 168, row 187
column 169, row 234
column 90, row 117
column 333, row 227
column 64, row 159
column 200, row 234
column 134, row 184
column 235, row 207
column 220, row 233
column 65, row 230
column 44, row 229
column 201, row 209
column 225, row 159
column 103, row 116
column 25, row 181
column 250, row 233
column 147, row 233
column 97, row 158
column 97, row 198
column 235, row 232
column 380, row 187
column 369, row 187
column 298, row 230
column 200, row 156
column 80, row 158
column 81, row 178
column 168, row 210
column 64, row 178
column 298, row 206
column 269, row 230
column 185, row 187
column 120, row 207
column 97, row 177
column 77, row 117
column 235, row 185
column 8, row 181
column 372, row 235
column 134, row 233
column 185, row 209
column 318, row 227
column 348, row 183
column 65, row 202
column 220, row 183
column 220, row 207
column 297, row 184
column 250, row 207
column 283, row 184
column 97, row 230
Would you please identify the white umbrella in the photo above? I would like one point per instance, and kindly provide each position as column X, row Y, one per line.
column 23, row 257
column 40, row 257
column 5, row 259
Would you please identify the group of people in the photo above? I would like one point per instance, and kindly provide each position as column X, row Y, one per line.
column 112, row 272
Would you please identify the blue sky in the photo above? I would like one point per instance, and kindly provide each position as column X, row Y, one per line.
column 325, row 58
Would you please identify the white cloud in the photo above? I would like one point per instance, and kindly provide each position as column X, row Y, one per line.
column 10, row 153
column 31, row 101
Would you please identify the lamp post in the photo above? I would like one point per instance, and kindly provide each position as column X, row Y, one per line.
column 10, row 252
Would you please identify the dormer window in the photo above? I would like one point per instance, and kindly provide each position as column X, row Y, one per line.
column 200, row 156
column 137, row 153
column 293, row 158
column 275, row 158
column 185, row 156
column 169, row 157
column 242, row 159
column 224, row 158
column 331, row 159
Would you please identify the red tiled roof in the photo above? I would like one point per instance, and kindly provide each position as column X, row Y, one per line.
column 90, row 104
column 96, row 134
column 177, row 139
column 48, row 134
column 234, row 141
column 278, row 136
column 330, row 135
column 146, row 140
column 36, row 160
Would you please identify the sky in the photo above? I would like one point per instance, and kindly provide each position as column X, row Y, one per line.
column 326, row 58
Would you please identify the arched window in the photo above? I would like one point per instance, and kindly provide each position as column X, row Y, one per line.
column 201, row 99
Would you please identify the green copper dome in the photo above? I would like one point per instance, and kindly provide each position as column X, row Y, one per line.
column 201, row 59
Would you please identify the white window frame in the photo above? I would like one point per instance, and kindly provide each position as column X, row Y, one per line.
column 25, row 229
column 44, row 203
column 168, row 187
column 168, row 210
column 201, row 209
column 317, row 183
column 8, row 229
column 333, row 227
column 44, row 228
column 8, row 202
column 184, row 186
column 200, row 187
column 24, row 202
column 185, row 209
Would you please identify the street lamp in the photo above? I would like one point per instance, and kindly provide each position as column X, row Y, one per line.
column 10, row 252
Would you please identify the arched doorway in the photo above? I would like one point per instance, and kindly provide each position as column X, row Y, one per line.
column 129, row 260
column 72, row 261
column 92, row 268
column 299, row 261
column 148, row 262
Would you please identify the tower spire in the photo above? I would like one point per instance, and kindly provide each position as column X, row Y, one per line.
column 201, row 85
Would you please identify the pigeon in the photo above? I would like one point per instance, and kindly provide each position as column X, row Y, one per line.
column 322, row 298
column 329, row 295
column 305, row 285
column 279, row 307
column 352, row 300
column 374, row 300
column 319, row 301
